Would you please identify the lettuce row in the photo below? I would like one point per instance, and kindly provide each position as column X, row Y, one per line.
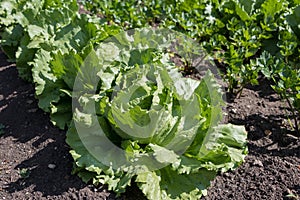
column 37, row 35
column 163, row 127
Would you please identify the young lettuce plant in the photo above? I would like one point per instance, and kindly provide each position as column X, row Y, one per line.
column 145, row 123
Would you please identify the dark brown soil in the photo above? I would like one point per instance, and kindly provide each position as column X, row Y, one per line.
column 272, row 168
column 30, row 142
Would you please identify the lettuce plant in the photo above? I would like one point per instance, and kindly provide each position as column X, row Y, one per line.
column 140, row 120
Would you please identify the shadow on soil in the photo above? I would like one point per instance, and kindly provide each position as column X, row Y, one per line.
column 27, row 124
column 267, row 135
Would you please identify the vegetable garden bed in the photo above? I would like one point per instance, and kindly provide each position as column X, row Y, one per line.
column 140, row 110
column 30, row 141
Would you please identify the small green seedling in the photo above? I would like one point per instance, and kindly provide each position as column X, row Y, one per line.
column 24, row 172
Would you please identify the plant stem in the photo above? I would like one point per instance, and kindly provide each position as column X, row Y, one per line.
column 239, row 92
column 293, row 112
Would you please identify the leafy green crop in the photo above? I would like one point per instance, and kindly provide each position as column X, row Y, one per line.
column 147, row 123
column 286, row 80
column 236, row 33
column 36, row 34
column 135, row 117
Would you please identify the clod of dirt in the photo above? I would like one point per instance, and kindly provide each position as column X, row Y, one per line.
column 51, row 166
